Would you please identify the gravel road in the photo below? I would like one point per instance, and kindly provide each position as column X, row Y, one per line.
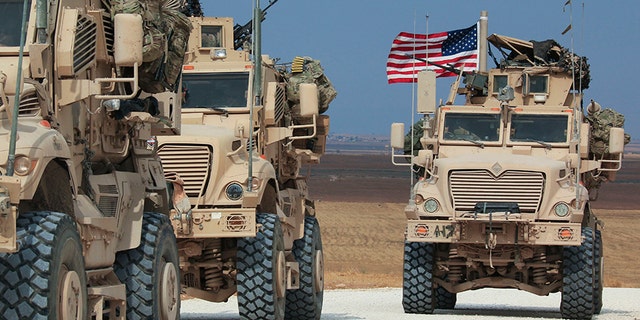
column 384, row 304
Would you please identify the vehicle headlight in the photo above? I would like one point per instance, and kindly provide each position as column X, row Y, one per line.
column 234, row 191
column 561, row 209
column 431, row 205
column 419, row 199
column 22, row 165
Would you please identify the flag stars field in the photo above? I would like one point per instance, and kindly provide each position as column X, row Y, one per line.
column 460, row 41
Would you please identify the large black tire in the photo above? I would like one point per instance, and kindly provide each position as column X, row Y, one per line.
column 151, row 271
column 262, row 272
column 599, row 266
column 46, row 279
column 445, row 299
column 417, row 286
column 578, row 277
column 305, row 303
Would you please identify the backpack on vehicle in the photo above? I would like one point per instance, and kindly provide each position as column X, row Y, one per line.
column 165, row 41
column 601, row 123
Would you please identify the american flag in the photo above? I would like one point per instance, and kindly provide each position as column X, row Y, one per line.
column 453, row 48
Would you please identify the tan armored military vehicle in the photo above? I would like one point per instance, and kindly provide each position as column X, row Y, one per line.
column 248, row 127
column 84, row 231
column 504, row 183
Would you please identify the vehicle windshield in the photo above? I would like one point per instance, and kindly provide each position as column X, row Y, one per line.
column 474, row 127
column 219, row 90
column 10, row 24
column 539, row 128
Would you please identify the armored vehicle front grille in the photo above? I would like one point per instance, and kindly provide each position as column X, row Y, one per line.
column 281, row 102
column 107, row 188
column 107, row 199
column 254, row 145
column 108, row 205
column 471, row 186
column 84, row 52
column 108, row 32
column 191, row 162
column 29, row 105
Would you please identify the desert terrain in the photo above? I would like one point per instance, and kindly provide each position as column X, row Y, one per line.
column 360, row 201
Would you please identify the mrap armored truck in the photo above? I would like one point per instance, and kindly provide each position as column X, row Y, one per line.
column 243, row 218
column 84, row 226
column 504, row 182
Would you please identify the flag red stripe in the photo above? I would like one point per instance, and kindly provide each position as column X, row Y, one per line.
column 402, row 67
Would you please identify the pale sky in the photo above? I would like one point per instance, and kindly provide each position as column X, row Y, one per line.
column 352, row 39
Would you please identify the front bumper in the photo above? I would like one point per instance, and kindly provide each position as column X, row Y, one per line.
column 216, row 223
column 493, row 231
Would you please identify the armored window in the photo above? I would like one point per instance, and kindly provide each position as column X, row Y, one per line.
column 499, row 82
column 215, row 90
column 211, row 36
column 539, row 128
column 10, row 24
column 536, row 84
column 471, row 126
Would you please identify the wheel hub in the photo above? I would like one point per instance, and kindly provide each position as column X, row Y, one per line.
column 318, row 266
column 280, row 275
column 70, row 299
column 169, row 292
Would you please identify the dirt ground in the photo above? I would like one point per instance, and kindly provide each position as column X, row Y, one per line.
column 360, row 201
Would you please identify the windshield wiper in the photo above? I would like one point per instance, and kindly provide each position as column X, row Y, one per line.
column 546, row 145
column 477, row 143
column 224, row 111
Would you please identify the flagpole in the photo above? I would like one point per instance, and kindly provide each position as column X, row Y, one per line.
column 482, row 39
column 413, row 105
column 577, row 109
column 427, row 40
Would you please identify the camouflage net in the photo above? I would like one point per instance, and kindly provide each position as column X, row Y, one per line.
column 580, row 67
column 601, row 123
column 165, row 41
column 308, row 70
column 545, row 53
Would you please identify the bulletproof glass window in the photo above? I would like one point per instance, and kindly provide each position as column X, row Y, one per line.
column 499, row 82
column 211, row 36
column 471, row 126
column 539, row 127
column 218, row 90
column 11, row 22
column 536, row 84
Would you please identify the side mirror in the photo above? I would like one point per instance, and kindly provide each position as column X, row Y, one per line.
column 584, row 140
column 616, row 140
column 308, row 99
column 127, row 45
column 397, row 135
column 423, row 158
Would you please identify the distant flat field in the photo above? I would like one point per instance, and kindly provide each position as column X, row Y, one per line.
column 360, row 202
